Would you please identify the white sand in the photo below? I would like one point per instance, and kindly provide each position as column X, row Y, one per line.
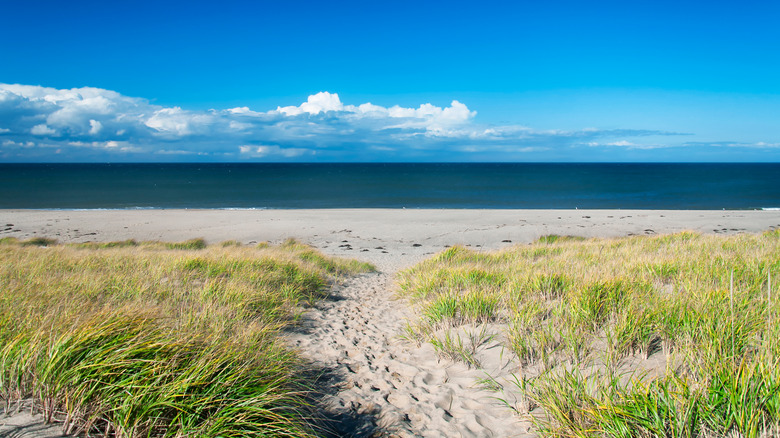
column 395, row 230
column 380, row 380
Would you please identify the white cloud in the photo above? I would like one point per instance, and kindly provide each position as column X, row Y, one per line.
column 92, row 119
column 95, row 127
column 177, row 122
column 273, row 150
column 315, row 104
column 760, row 145
column 432, row 118
column 11, row 143
column 621, row 143
column 241, row 110
column 733, row 144
column 239, row 126
column 245, row 111
column 630, row 145
column 42, row 129
column 111, row 145
column 175, row 152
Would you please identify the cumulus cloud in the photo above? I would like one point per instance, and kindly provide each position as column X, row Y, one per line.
column 95, row 127
column 92, row 123
column 175, row 122
column 428, row 119
column 42, row 129
column 315, row 104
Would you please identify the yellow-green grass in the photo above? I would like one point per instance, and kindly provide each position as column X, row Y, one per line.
column 673, row 335
column 133, row 339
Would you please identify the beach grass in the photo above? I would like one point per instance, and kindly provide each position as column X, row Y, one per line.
column 159, row 339
column 675, row 335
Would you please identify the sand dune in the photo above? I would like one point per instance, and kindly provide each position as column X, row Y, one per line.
column 378, row 381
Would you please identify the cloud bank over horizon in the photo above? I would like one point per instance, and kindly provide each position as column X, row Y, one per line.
column 93, row 124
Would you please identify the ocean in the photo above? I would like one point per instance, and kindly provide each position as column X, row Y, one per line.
column 419, row 185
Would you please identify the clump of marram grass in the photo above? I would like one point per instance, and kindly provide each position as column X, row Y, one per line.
column 34, row 241
column 554, row 238
column 675, row 335
column 113, row 244
column 189, row 244
column 153, row 340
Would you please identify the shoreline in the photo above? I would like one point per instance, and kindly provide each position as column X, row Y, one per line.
column 142, row 208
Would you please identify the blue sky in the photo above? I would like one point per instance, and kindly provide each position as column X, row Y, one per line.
column 389, row 81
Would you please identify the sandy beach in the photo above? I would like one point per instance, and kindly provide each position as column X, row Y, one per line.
column 406, row 235
column 380, row 382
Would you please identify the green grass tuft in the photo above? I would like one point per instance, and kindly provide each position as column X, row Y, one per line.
column 37, row 241
column 192, row 244
column 554, row 238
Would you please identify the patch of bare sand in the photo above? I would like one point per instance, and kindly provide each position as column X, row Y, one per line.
column 22, row 423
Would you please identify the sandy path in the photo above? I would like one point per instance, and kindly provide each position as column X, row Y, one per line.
column 388, row 385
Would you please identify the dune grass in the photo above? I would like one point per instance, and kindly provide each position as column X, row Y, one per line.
column 157, row 339
column 673, row 335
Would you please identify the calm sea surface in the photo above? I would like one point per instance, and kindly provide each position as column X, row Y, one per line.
column 564, row 186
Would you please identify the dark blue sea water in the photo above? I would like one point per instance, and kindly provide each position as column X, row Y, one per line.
column 527, row 185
